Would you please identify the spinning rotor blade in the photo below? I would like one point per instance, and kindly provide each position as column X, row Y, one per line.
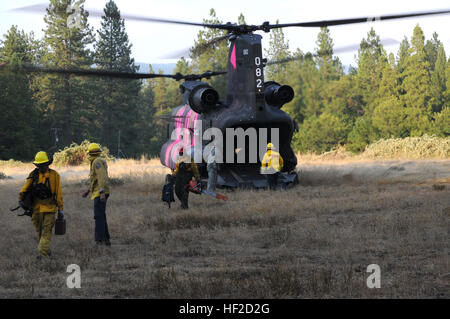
column 329, row 23
column 343, row 49
column 197, row 50
column 40, row 8
column 266, row 26
column 203, row 47
column 113, row 74
column 93, row 72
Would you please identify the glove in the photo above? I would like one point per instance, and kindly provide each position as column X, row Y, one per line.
column 60, row 214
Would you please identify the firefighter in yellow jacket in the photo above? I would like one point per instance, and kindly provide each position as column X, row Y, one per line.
column 271, row 166
column 45, row 185
column 99, row 189
column 184, row 171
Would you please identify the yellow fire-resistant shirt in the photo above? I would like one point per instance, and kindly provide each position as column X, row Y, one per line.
column 190, row 165
column 271, row 163
column 99, row 177
column 49, row 205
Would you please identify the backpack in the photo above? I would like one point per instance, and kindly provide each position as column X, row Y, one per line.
column 167, row 191
column 35, row 191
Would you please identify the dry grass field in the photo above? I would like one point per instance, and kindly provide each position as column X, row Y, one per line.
column 312, row 241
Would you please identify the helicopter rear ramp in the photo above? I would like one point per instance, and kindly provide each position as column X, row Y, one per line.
column 247, row 176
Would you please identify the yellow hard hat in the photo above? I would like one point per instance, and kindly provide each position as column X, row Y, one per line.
column 41, row 158
column 94, row 148
column 270, row 146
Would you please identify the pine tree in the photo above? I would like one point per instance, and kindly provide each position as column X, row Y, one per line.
column 447, row 82
column 438, row 80
column 403, row 53
column 431, row 50
column 118, row 99
column 146, row 127
column 418, row 97
column 215, row 57
column 241, row 19
column 330, row 67
column 371, row 62
column 18, row 118
column 278, row 50
column 321, row 134
column 65, row 99
column 304, row 78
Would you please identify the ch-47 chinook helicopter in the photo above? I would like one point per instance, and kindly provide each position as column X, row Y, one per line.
column 250, row 102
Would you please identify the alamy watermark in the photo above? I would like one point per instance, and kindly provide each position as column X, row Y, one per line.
column 239, row 144
column 74, row 19
column 374, row 280
column 74, row 279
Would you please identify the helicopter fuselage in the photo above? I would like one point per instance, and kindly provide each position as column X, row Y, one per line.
column 246, row 111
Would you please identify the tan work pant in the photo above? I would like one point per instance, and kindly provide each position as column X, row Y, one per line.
column 43, row 224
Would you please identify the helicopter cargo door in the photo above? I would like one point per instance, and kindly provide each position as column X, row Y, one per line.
column 242, row 156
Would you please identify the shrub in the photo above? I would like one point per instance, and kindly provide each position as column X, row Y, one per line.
column 11, row 163
column 75, row 154
column 410, row 147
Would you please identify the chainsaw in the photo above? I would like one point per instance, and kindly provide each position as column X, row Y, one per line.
column 196, row 188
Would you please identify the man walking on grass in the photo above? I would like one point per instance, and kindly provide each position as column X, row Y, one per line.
column 99, row 189
column 184, row 171
column 44, row 186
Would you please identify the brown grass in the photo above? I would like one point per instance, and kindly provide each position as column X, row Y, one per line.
column 315, row 240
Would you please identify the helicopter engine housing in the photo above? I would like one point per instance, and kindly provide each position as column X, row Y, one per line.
column 199, row 95
column 277, row 95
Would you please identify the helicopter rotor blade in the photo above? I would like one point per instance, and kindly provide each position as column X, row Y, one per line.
column 329, row 23
column 93, row 72
column 113, row 74
column 339, row 50
column 201, row 48
column 266, row 26
column 204, row 46
column 41, row 8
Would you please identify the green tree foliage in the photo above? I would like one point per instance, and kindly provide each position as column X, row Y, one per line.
column 371, row 62
column 278, row 50
column 330, row 67
column 403, row 53
column 214, row 57
column 362, row 134
column 438, row 80
column 118, row 99
column 321, row 133
column 418, row 97
column 431, row 49
column 65, row 100
column 147, row 126
column 305, row 80
column 18, row 120
column 441, row 124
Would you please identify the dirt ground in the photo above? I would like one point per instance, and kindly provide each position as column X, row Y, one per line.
column 312, row 241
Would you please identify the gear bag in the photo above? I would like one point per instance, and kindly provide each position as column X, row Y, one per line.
column 167, row 192
column 36, row 190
